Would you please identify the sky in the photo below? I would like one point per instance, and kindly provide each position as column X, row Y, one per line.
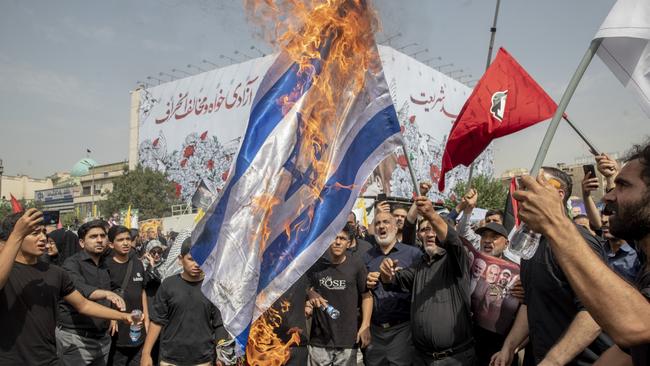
column 66, row 68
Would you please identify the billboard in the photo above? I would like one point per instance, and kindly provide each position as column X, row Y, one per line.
column 55, row 195
column 191, row 128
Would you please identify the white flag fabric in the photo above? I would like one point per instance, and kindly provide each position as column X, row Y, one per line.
column 625, row 47
column 249, row 255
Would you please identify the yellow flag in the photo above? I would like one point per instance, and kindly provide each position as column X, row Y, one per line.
column 199, row 215
column 127, row 218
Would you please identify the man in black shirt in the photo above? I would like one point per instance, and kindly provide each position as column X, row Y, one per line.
column 187, row 322
column 441, row 321
column 621, row 310
column 127, row 272
column 339, row 282
column 559, row 329
column 29, row 294
column 82, row 339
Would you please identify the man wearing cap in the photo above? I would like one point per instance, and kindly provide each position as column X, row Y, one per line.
column 487, row 296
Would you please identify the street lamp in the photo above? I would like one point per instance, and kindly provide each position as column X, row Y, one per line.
column 408, row 45
column 431, row 59
column 92, row 182
column 171, row 77
column 196, row 67
column 227, row 58
column 209, row 63
column 153, row 78
column 258, row 51
column 243, row 54
column 450, row 73
column 438, row 67
column 414, row 54
column 387, row 40
column 183, row 71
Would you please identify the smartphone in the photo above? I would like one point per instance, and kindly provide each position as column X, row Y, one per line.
column 589, row 168
column 381, row 198
column 51, row 217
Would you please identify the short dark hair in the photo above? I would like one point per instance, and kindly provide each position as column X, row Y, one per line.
column 186, row 246
column 94, row 224
column 494, row 212
column 349, row 231
column 117, row 230
column 580, row 216
column 641, row 152
column 565, row 181
column 134, row 233
column 8, row 224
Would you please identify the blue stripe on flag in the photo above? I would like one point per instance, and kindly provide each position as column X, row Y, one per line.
column 279, row 254
column 264, row 117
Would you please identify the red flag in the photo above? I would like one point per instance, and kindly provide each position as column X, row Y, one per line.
column 504, row 101
column 511, row 219
column 15, row 205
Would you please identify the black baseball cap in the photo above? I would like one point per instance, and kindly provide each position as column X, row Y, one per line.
column 493, row 226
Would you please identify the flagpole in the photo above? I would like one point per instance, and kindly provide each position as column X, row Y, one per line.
column 416, row 187
column 592, row 147
column 564, row 102
column 493, row 30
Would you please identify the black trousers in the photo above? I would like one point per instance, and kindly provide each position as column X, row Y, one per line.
column 465, row 358
column 125, row 356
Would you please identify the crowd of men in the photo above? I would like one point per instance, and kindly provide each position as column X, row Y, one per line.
column 420, row 287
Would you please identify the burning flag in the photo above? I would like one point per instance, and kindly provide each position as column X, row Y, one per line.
column 322, row 119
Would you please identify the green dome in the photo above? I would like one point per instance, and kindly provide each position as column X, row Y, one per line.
column 81, row 167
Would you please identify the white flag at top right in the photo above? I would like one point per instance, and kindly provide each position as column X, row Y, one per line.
column 625, row 48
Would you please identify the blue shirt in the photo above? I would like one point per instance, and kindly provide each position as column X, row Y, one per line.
column 625, row 261
column 390, row 307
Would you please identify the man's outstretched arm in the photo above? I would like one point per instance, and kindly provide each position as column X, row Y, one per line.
column 600, row 290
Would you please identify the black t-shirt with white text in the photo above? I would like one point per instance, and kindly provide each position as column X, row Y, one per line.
column 28, row 311
column 341, row 285
column 132, row 295
column 189, row 322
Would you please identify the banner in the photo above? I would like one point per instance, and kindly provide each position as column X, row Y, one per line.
column 191, row 128
column 491, row 280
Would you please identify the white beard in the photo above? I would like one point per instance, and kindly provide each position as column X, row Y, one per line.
column 390, row 239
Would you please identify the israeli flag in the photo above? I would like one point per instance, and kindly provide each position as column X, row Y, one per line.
column 252, row 255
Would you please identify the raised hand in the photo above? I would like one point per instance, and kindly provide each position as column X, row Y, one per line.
column 383, row 207
column 540, row 206
column 607, row 166
column 27, row 223
column 589, row 184
column 424, row 206
column 424, row 188
column 471, row 198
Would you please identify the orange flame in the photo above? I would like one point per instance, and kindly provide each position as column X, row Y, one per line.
column 338, row 34
column 264, row 347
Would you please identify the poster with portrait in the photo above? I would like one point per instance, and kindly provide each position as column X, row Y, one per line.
column 491, row 283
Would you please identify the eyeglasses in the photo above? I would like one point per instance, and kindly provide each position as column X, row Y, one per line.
column 156, row 252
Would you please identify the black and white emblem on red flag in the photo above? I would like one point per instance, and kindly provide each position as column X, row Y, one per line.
column 499, row 104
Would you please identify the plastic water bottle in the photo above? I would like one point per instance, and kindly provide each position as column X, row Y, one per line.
column 331, row 311
column 524, row 242
column 135, row 330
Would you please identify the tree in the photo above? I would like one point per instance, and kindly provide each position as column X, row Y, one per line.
column 491, row 193
column 5, row 207
column 145, row 189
